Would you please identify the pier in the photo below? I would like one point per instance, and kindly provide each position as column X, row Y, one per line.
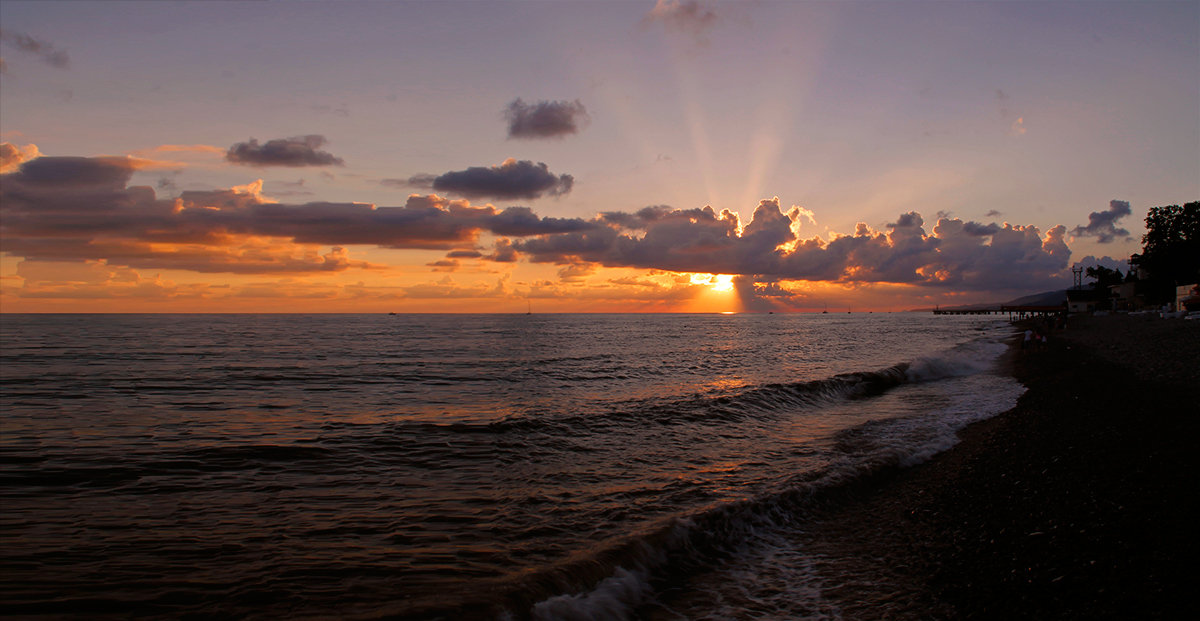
column 1015, row 313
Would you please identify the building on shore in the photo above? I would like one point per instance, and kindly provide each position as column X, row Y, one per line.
column 1187, row 297
column 1087, row 300
column 1128, row 296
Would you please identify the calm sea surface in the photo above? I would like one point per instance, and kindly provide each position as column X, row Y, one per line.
column 449, row 466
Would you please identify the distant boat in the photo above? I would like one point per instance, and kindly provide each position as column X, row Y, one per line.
column 530, row 311
column 826, row 311
column 392, row 314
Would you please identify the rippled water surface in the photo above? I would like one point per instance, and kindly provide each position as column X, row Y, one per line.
column 455, row 466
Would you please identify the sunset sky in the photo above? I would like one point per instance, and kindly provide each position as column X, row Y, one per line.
column 582, row 156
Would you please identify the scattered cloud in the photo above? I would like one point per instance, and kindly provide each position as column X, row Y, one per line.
column 687, row 16
column 511, row 179
column 797, row 214
column 576, row 272
column 444, row 265
column 184, row 148
column 45, row 51
column 1105, row 261
column 292, row 188
column 294, row 151
column 92, row 280
column 1103, row 224
column 992, row 213
column 338, row 110
column 167, row 184
column 545, row 119
column 447, row 288
column 504, row 252
column 1017, row 126
column 405, row 184
column 1002, row 99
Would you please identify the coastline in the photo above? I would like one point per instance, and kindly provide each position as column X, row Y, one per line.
column 1069, row 505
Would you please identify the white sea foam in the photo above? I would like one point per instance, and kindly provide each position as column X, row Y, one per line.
column 969, row 358
column 614, row 598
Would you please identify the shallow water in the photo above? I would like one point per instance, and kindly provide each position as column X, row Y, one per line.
column 554, row 466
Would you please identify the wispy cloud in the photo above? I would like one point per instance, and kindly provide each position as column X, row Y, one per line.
column 338, row 110
column 43, row 50
column 1016, row 127
column 687, row 16
column 185, row 148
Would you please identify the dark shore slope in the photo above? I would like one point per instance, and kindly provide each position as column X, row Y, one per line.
column 1076, row 504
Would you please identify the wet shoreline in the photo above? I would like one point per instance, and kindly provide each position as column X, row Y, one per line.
column 1070, row 505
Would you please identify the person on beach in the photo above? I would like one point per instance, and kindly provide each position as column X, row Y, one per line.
column 1028, row 340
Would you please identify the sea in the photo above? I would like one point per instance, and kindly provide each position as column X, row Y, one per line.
column 573, row 466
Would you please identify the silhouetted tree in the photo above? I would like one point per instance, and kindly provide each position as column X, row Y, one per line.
column 1170, row 249
column 1104, row 276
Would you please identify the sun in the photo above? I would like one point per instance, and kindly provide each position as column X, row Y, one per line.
column 718, row 283
column 722, row 283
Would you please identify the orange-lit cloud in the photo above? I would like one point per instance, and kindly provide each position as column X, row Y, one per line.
column 83, row 209
column 12, row 156
column 93, row 280
column 963, row 254
column 199, row 153
column 60, row 208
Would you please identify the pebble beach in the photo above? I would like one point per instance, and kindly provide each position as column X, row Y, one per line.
column 1074, row 504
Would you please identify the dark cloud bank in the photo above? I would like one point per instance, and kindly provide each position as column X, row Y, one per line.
column 545, row 119
column 963, row 255
column 74, row 208
column 77, row 208
column 295, row 151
